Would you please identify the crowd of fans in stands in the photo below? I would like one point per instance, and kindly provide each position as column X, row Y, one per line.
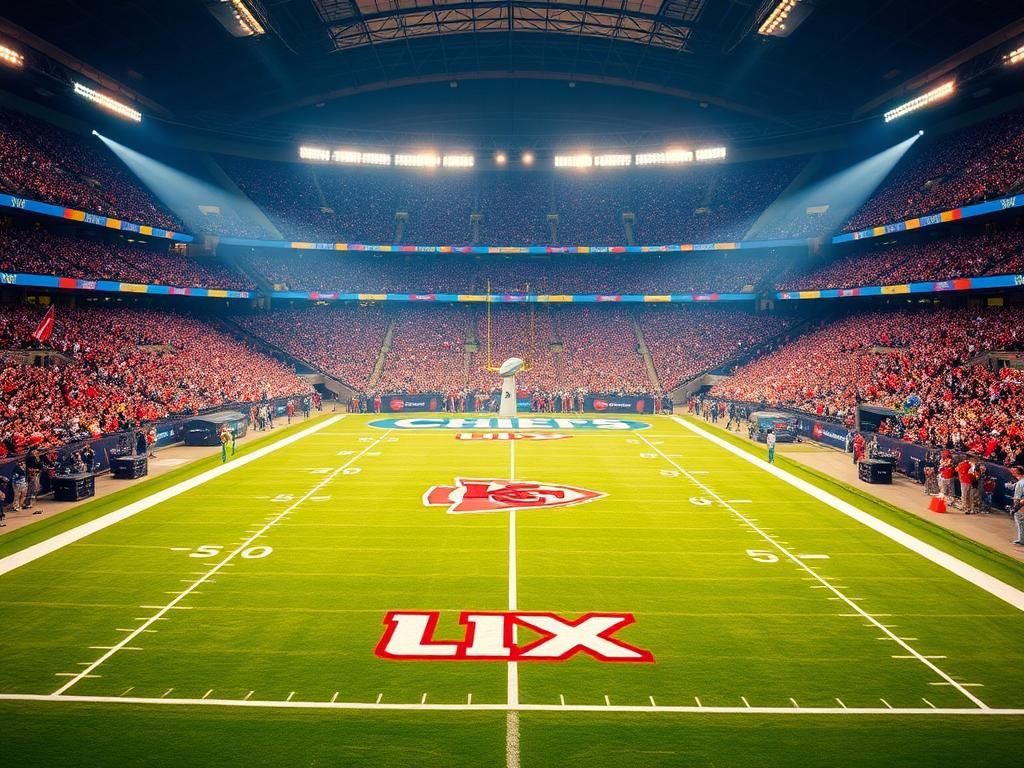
column 696, row 272
column 116, row 367
column 963, row 255
column 949, row 170
column 43, row 162
column 686, row 343
column 929, row 367
column 343, row 342
column 35, row 250
column 336, row 204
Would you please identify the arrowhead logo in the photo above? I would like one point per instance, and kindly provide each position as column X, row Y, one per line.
column 472, row 495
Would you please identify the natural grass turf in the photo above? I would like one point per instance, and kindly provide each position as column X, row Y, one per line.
column 27, row 535
column 303, row 620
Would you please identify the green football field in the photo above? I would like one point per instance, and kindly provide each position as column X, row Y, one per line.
column 639, row 597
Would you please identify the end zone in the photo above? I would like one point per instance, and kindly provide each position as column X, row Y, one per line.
column 522, row 423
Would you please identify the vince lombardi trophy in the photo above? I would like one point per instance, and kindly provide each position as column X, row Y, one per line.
column 507, row 371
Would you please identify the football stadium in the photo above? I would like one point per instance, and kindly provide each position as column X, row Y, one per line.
column 525, row 383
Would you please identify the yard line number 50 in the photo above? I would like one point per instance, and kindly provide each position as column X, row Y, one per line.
column 212, row 550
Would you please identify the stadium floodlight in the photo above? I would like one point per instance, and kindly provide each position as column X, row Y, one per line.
column 314, row 153
column 574, row 161
column 107, row 103
column 348, row 156
column 501, row 158
column 777, row 18
column 527, row 158
column 418, row 160
column 1015, row 56
column 375, row 158
column 458, row 161
column 668, row 157
column 11, row 57
column 935, row 94
column 248, row 22
column 613, row 161
column 710, row 153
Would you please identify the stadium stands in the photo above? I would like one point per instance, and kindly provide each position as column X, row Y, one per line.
column 924, row 364
column 327, row 203
column 343, row 342
column 43, row 162
column 685, row 343
column 35, row 250
column 945, row 171
column 648, row 273
column 428, row 350
column 118, row 366
column 962, row 255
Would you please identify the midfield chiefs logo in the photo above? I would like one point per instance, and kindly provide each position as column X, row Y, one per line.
column 510, row 436
column 471, row 495
column 491, row 636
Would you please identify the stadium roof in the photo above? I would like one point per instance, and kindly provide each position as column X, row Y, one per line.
column 351, row 55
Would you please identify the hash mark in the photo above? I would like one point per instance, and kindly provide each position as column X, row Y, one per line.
column 840, row 701
column 607, row 702
column 379, row 697
column 334, row 698
column 745, row 702
column 165, row 693
column 698, row 701
column 126, row 691
column 652, row 701
column 423, row 700
column 207, row 694
column 794, row 702
column 887, row 704
column 250, row 693
column 469, row 699
column 928, row 703
column 561, row 699
column 290, row 695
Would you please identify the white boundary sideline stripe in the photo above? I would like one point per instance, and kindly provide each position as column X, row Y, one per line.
column 34, row 552
column 512, row 747
column 213, row 570
column 826, row 584
column 979, row 578
column 71, row 698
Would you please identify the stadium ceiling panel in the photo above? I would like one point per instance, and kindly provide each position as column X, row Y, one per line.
column 357, row 23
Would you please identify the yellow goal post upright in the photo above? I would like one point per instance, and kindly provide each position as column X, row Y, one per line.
column 528, row 357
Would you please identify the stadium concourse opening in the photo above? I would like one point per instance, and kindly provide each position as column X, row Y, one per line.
column 512, row 383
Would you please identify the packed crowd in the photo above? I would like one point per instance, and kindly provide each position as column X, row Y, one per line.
column 685, row 343
column 116, row 367
column 35, row 250
column 945, row 171
column 40, row 161
column 428, row 350
column 343, row 341
column 963, row 255
column 693, row 204
column 931, row 369
column 695, row 272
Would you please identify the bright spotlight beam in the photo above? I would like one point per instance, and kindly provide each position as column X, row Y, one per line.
column 840, row 195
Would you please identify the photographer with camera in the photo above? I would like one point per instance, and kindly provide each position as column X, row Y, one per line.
column 1018, row 502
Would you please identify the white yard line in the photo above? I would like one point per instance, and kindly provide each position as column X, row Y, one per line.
column 61, row 540
column 512, row 718
column 990, row 584
column 824, row 582
column 692, row 709
column 213, row 570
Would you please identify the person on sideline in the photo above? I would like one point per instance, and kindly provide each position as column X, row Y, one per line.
column 225, row 438
column 1018, row 503
column 769, row 440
